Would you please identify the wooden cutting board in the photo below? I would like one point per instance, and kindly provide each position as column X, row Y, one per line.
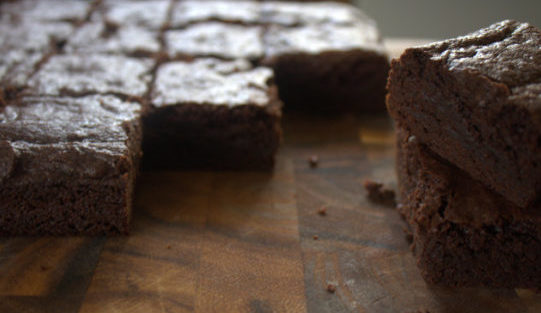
column 244, row 242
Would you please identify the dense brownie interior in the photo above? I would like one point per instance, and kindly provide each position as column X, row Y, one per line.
column 475, row 101
column 464, row 233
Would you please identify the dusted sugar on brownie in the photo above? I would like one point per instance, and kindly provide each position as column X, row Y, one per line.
column 46, row 11
column 239, row 12
column 215, row 39
column 67, row 165
column 151, row 14
column 476, row 102
column 464, row 234
column 328, row 67
column 212, row 114
column 81, row 74
column 298, row 14
column 100, row 37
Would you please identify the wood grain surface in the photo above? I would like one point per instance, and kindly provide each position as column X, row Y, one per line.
column 244, row 242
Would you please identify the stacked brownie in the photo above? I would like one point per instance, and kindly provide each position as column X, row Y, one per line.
column 468, row 112
column 84, row 85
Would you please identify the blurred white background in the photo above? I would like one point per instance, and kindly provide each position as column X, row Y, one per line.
column 438, row 19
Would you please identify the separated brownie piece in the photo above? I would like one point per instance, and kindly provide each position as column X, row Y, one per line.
column 328, row 67
column 100, row 37
column 476, row 102
column 67, row 165
column 78, row 75
column 215, row 39
column 46, row 11
column 240, row 12
column 150, row 14
column 299, row 14
column 212, row 114
column 465, row 234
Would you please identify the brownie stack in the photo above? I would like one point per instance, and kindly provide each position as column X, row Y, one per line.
column 85, row 86
column 468, row 112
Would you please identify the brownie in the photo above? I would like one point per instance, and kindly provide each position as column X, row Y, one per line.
column 80, row 74
column 328, row 67
column 476, row 102
column 465, row 234
column 100, row 37
column 46, row 11
column 67, row 165
column 298, row 14
column 150, row 14
column 240, row 12
column 212, row 114
column 214, row 39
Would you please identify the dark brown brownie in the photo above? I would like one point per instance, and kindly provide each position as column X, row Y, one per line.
column 476, row 102
column 212, row 114
column 328, row 66
column 298, row 14
column 67, row 165
column 240, row 12
column 81, row 74
column 214, row 39
column 150, row 14
column 100, row 37
column 463, row 233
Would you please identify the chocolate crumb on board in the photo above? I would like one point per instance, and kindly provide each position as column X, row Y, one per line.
column 331, row 288
column 44, row 267
column 313, row 161
column 322, row 211
column 316, row 237
column 378, row 193
column 168, row 247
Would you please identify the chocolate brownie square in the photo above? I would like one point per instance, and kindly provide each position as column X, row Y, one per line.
column 465, row 234
column 100, row 37
column 212, row 114
column 214, row 39
column 238, row 12
column 299, row 14
column 476, row 102
column 68, row 165
column 81, row 74
column 46, row 11
column 150, row 14
column 328, row 67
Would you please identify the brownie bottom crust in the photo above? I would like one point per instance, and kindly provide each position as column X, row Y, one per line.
column 332, row 82
column 196, row 136
column 463, row 233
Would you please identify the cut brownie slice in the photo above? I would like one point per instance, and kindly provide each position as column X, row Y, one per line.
column 215, row 39
column 100, row 37
column 476, row 102
column 239, row 12
column 212, row 114
column 78, row 75
column 151, row 14
column 46, row 11
column 328, row 67
column 465, row 234
column 298, row 14
column 68, row 165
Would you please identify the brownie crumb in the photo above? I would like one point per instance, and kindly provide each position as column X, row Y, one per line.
column 44, row 267
column 313, row 161
column 316, row 237
column 331, row 288
column 322, row 211
column 168, row 247
column 378, row 193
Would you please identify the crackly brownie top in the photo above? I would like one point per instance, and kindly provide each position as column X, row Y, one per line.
column 316, row 39
column 17, row 66
column 508, row 52
column 45, row 137
column 217, row 40
column 211, row 81
column 295, row 14
column 46, row 11
column 96, row 37
column 187, row 12
column 32, row 36
column 77, row 75
column 150, row 14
